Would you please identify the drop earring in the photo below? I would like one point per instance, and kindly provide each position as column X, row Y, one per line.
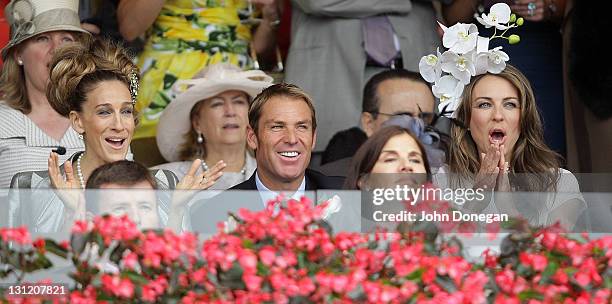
column 19, row 61
column 200, row 138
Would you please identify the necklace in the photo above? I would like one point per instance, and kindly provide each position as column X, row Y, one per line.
column 205, row 169
column 79, row 172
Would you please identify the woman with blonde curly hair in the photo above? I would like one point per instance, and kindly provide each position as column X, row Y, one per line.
column 95, row 86
column 501, row 147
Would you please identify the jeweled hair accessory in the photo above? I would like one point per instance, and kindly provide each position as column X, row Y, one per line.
column 426, row 134
column 134, row 86
column 468, row 55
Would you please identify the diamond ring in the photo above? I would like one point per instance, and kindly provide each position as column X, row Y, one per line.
column 531, row 6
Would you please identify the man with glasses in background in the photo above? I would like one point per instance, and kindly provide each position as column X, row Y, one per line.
column 386, row 94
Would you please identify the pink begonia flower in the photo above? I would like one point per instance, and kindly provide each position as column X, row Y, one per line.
column 267, row 255
column 504, row 299
column 339, row 283
column 490, row 260
column 248, row 261
column 19, row 235
column 306, row 286
column 113, row 228
column 252, row 281
column 130, row 260
column 88, row 296
column 154, row 288
column 474, row 286
column 536, row 261
column 408, row 289
column 80, row 227
column 118, row 286
column 40, row 245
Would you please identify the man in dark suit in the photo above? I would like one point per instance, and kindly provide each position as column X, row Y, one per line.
column 282, row 132
column 386, row 94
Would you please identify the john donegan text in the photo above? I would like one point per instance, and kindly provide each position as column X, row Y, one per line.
column 434, row 216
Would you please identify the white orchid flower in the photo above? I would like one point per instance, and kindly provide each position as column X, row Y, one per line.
column 460, row 66
column 460, row 38
column 497, row 60
column 448, row 89
column 493, row 61
column 429, row 67
column 499, row 16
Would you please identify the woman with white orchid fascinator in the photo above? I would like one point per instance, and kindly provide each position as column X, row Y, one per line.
column 539, row 55
column 468, row 55
column 497, row 141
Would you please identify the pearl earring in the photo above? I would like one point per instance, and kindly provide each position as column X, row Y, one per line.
column 19, row 61
column 200, row 138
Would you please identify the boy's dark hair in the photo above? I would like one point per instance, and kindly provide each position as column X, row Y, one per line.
column 123, row 172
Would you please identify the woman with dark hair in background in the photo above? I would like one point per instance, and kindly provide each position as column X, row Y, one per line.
column 394, row 150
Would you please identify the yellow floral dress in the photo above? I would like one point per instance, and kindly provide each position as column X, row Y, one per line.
column 187, row 36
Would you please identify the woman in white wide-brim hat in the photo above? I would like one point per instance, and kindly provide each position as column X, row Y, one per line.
column 209, row 120
column 29, row 127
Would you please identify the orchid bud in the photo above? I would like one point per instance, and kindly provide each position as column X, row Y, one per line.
column 514, row 39
column 520, row 21
column 512, row 18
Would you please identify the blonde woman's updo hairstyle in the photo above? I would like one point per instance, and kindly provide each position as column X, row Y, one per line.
column 76, row 70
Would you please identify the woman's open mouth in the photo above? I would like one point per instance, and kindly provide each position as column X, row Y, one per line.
column 497, row 136
column 115, row 142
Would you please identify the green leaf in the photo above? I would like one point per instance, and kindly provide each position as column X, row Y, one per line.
column 55, row 248
column 301, row 257
column 262, row 269
column 550, row 270
column 248, row 244
column 608, row 282
column 135, row 277
column 530, row 294
column 416, row 275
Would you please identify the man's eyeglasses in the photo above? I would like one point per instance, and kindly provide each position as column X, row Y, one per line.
column 427, row 117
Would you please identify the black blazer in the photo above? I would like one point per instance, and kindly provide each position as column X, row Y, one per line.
column 314, row 180
column 206, row 214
